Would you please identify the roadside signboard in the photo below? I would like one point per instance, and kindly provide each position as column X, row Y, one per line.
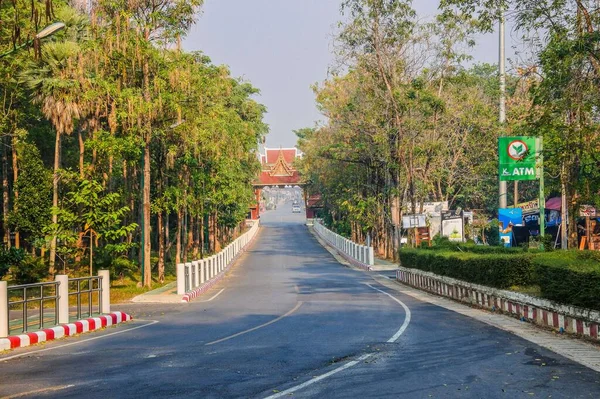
column 529, row 206
column 413, row 221
column 453, row 225
column 587, row 211
column 517, row 158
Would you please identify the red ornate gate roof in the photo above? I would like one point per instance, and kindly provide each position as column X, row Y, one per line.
column 278, row 168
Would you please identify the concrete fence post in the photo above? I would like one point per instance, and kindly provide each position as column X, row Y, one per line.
column 202, row 276
column 63, row 300
column 196, row 273
column 371, row 257
column 3, row 309
column 180, row 279
column 190, row 275
column 105, row 300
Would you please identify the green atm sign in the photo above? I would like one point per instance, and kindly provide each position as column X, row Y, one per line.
column 517, row 158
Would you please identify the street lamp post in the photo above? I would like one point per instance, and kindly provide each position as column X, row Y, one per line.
column 47, row 31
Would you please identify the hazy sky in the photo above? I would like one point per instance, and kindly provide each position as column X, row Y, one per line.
column 283, row 47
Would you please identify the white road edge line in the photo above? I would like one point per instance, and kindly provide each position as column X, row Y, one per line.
column 353, row 363
column 42, row 390
column 151, row 322
column 406, row 318
column 214, row 296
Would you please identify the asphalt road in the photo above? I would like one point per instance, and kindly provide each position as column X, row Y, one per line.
column 289, row 313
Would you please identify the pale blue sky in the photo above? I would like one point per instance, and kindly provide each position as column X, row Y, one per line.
column 283, row 47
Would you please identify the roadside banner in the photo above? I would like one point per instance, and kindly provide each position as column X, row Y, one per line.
column 509, row 217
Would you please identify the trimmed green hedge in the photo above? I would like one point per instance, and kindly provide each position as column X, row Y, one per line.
column 567, row 277
column 495, row 270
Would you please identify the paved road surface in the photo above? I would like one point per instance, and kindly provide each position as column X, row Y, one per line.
column 289, row 312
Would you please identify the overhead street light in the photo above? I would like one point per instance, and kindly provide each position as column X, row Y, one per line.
column 50, row 30
column 47, row 31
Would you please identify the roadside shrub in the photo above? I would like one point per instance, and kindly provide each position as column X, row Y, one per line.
column 477, row 249
column 491, row 232
column 566, row 277
column 569, row 277
column 498, row 270
column 9, row 258
column 30, row 270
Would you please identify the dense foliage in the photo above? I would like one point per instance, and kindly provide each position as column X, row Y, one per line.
column 409, row 121
column 117, row 141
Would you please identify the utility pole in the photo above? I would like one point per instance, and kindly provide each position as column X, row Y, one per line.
column 502, row 115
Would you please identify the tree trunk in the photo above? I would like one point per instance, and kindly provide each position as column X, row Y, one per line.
column 201, row 228
column 15, row 166
column 185, row 235
column 146, row 178
column 51, row 269
column 5, row 194
column 178, row 237
column 146, row 209
column 196, row 246
column 81, row 153
column 161, row 247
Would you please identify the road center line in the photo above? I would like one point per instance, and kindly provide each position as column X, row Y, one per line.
column 216, row 295
column 151, row 322
column 352, row 363
column 257, row 327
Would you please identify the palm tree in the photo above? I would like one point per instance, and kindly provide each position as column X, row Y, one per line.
column 56, row 86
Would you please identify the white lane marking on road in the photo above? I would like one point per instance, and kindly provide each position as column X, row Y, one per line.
column 151, row 322
column 216, row 295
column 42, row 390
column 406, row 318
column 257, row 327
column 320, row 377
column 353, row 362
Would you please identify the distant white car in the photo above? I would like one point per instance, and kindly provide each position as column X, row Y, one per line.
column 296, row 209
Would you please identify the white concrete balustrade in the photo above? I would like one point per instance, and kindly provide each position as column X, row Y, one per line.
column 192, row 275
column 360, row 253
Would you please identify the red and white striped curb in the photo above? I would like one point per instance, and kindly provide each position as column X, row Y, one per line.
column 204, row 287
column 208, row 284
column 539, row 311
column 65, row 330
column 344, row 255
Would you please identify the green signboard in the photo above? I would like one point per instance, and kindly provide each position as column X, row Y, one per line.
column 517, row 157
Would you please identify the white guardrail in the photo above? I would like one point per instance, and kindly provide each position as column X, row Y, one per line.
column 360, row 253
column 193, row 275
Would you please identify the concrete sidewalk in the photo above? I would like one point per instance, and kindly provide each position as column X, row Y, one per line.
column 383, row 265
column 164, row 294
